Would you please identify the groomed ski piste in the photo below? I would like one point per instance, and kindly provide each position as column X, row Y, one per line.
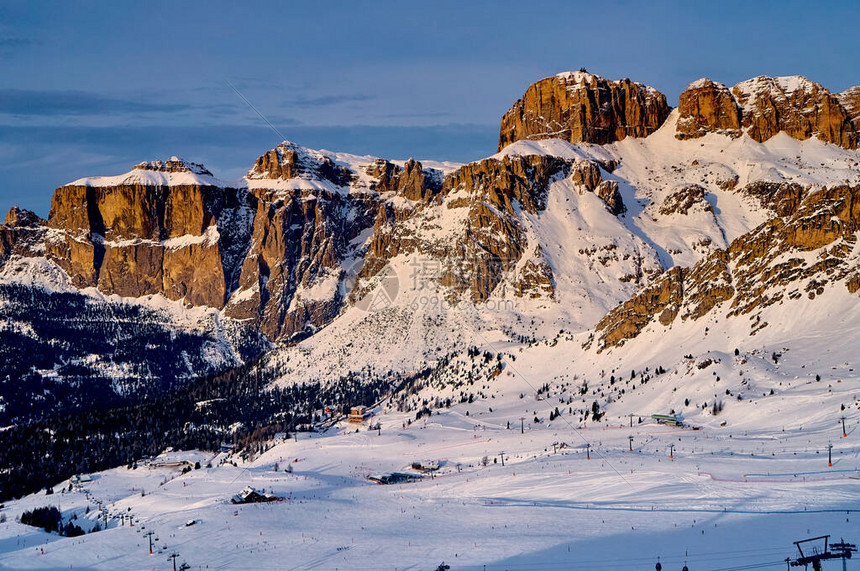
column 728, row 499
column 723, row 492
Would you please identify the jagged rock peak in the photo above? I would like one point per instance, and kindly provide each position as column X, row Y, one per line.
column 764, row 106
column 411, row 181
column 21, row 218
column 172, row 165
column 289, row 160
column 583, row 107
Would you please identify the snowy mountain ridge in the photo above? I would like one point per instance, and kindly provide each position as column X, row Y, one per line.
column 513, row 322
column 549, row 234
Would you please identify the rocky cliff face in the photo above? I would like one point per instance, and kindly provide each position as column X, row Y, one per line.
column 850, row 100
column 150, row 233
column 487, row 240
column 293, row 275
column 707, row 107
column 809, row 246
column 764, row 106
column 21, row 234
column 312, row 230
column 581, row 107
column 410, row 181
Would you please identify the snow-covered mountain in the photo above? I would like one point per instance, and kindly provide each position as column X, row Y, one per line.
column 608, row 231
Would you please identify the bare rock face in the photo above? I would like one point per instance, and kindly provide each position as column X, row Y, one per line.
column 411, row 181
column 521, row 178
column 783, row 198
column 21, row 234
column 288, row 160
column 609, row 194
column 144, row 237
column 581, row 107
column 20, row 218
column 494, row 240
column 586, row 174
column 764, row 106
column 292, row 279
column 795, row 105
column 662, row 298
column 707, row 107
column 685, row 198
column 757, row 270
column 850, row 100
column 493, row 245
column 535, row 279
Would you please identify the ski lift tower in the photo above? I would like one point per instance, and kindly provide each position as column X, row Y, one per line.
column 819, row 549
column 843, row 550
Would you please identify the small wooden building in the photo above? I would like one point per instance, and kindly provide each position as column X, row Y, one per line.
column 358, row 414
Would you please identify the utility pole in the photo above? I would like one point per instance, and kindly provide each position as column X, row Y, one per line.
column 173, row 556
column 149, row 534
column 830, row 455
column 844, row 432
column 631, row 420
column 671, row 452
column 522, row 425
column 630, row 438
column 587, row 451
column 502, row 455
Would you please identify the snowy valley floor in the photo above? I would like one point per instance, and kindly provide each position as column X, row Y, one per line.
column 728, row 499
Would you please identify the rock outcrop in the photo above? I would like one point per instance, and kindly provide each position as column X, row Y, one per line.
column 707, row 107
column 684, row 199
column 581, row 107
column 411, row 181
column 21, row 233
column 20, row 218
column 783, row 198
column 759, row 269
column 611, row 196
column 764, row 106
column 291, row 278
column 850, row 100
column 290, row 161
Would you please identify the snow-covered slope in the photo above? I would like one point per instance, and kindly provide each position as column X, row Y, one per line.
column 67, row 349
column 173, row 172
column 684, row 200
column 519, row 487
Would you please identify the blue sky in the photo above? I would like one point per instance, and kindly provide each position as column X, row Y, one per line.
column 93, row 87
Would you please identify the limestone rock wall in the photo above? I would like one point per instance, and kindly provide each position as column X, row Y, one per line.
column 581, row 107
column 764, row 106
